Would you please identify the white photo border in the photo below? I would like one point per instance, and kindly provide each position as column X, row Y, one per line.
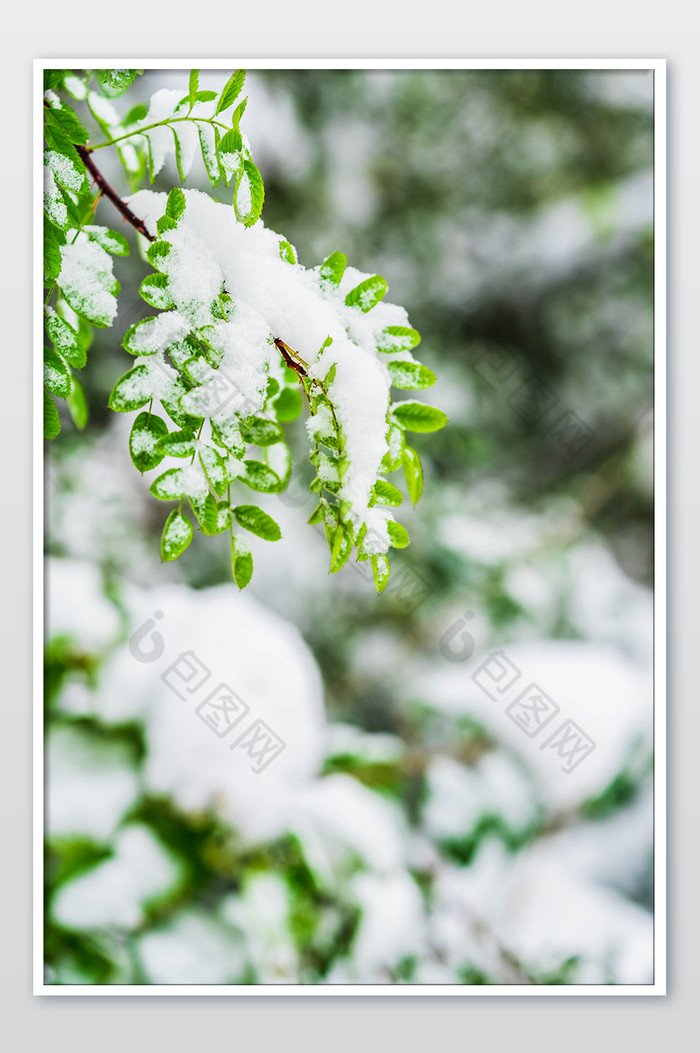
column 658, row 987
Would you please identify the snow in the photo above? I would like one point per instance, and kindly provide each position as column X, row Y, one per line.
column 606, row 694
column 114, row 892
column 87, row 280
column 232, row 638
column 93, row 623
column 92, row 785
column 194, row 948
column 211, row 250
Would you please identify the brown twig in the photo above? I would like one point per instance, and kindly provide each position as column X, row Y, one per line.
column 110, row 192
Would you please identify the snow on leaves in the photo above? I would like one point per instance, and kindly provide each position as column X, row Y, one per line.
column 244, row 338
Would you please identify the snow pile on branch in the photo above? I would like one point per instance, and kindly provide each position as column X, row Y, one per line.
column 211, row 251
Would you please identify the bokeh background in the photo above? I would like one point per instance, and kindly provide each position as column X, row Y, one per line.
column 411, row 831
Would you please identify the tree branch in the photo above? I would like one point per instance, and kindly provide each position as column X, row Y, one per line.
column 110, row 193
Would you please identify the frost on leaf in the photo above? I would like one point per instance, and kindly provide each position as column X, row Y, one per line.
column 87, row 280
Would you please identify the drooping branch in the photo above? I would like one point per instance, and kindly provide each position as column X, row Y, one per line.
column 111, row 193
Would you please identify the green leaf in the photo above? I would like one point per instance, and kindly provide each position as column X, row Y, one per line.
column 110, row 240
column 68, row 121
column 232, row 89
column 259, row 476
column 170, row 486
column 193, row 86
column 386, row 493
column 287, row 252
column 230, row 151
column 138, row 339
column 368, row 293
column 176, row 203
column 157, row 252
column 78, row 405
column 341, row 547
column 57, row 375
column 154, row 290
column 207, row 512
column 413, row 471
column 181, row 443
column 287, row 405
column 226, row 433
column 410, row 375
column 261, row 432
column 393, row 457
column 132, row 391
column 381, row 569
column 52, row 421
column 65, row 339
column 52, row 253
column 114, row 82
column 209, row 154
column 144, row 441
column 68, row 170
column 258, row 522
column 333, row 269
column 398, row 534
column 241, row 562
column 214, row 468
column 250, row 195
column 417, row 416
column 397, row 338
column 177, row 534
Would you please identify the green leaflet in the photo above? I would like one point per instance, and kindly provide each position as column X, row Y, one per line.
column 110, row 240
column 65, row 118
column 385, row 493
column 177, row 534
column 193, row 86
column 65, row 339
column 261, row 432
column 52, row 253
column 52, row 421
column 249, row 194
column 368, row 293
column 170, row 486
column 114, row 82
column 397, row 338
column 287, row 252
column 410, row 375
column 232, row 89
column 146, row 434
column 333, row 269
column 78, row 405
column 381, row 569
column 57, row 375
column 398, row 534
column 417, row 416
column 341, row 547
column 154, row 290
column 181, row 443
column 241, row 562
column 413, row 472
column 132, row 391
column 176, row 203
column 259, row 476
column 215, row 469
column 257, row 522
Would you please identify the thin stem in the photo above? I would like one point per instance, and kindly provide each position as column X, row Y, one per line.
column 158, row 124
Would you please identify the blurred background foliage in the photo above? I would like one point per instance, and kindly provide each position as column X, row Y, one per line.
column 512, row 215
